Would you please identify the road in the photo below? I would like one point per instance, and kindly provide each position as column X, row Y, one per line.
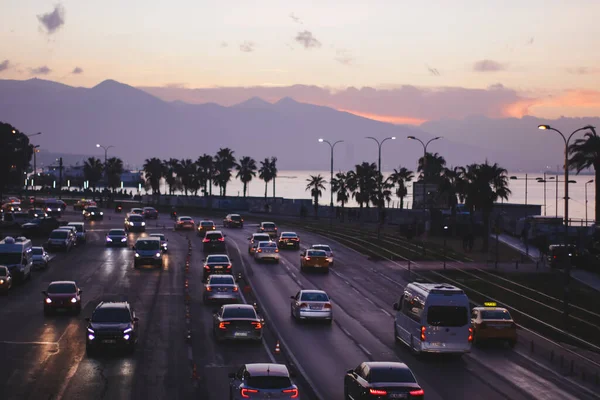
column 44, row 357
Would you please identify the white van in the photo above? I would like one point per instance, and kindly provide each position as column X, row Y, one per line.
column 17, row 256
column 434, row 318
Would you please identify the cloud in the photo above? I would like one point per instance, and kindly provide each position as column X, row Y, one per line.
column 224, row 44
column 583, row 71
column 433, row 71
column 43, row 70
column 176, row 85
column 307, row 39
column 247, row 47
column 77, row 71
column 52, row 21
column 4, row 65
column 296, row 19
column 488, row 66
column 344, row 56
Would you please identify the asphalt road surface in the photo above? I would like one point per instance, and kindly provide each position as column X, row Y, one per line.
column 44, row 357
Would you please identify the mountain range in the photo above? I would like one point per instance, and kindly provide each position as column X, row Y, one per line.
column 140, row 125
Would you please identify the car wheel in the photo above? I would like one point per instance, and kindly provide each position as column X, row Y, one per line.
column 292, row 312
column 89, row 351
column 329, row 321
column 131, row 348
column 78, row 310
column 46, row 311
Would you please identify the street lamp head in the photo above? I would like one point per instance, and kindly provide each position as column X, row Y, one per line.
column 543, row 127
column 320, row 140
column 590, row 181
column 437, row 137
column 572, row 181
column 411, row 137
column 513, row 177
column 393, row 137
column 97, row 145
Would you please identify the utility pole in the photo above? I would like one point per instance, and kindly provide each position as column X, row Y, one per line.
column 60, row 177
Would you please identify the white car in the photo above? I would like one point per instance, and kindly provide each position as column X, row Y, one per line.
column 40, row 257
column 311, row 304
column 267, row 251
column 327, row 249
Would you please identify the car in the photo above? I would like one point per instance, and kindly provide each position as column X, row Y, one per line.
column 36, row 213
column 214, row 242
column 112, row 324
column 237, row 322
column 11, row 207
column 138, row 211
column 327, row 249
column 73, row 231
column 61, row 239
column 493, row 323
column 6, row 280
column 184, row 222
column 116, row 237
column 267, row 251
column 163, row 240
column 289, row 240
column 255, row 239
column 40, row 226
column 150, row 213
column 262, row 380
column 216, row 264
column 148, row 251
column 381, row 380
column 93, row 213
column 314, row 259
column 16, row 255
column 221, row 288
column 233, row 220
column 135, row 223
column 205, row 226
column 62, row 295
column 80, row 205
column 558, row 254
column 81, row 232
column 40, row 257
column 268, row 227
column 21, row 218
column 311, row 304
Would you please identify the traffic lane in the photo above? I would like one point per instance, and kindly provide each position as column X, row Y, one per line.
column 323, row 351
column 214, row 360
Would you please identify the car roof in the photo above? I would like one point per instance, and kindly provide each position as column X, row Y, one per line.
column 490, row 309
column 37, row 247
column 147, row 238
column 268, row 222
column 260, row 234
column 75, row 223
column 289, row 233
column 221, row 275
column 269, row 242
column 386, row 365
column 149, row 208
column 207, row 221
column 240, row 306
column 320, row 244
column 62, row 282
column 216, row 255
column 185, row 216
column 214, row 232
column 314, row 291
column 113, row 304
column 157, row 234
column 266, row 369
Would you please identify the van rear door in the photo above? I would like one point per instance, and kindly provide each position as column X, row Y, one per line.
column 447, row 328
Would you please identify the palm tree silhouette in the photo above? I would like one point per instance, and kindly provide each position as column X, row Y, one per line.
column 169, row 173
column 206, row 172
column 153, row 172
column 316, row 185
column 92, row 171
column 224, row 162
column 585, row 153
column 273, row 167
column 188, row 171
column 114, row 170
column 246, row 170
column 400, row 177
column 341, row 188
column 265, row 172
column 435, row 166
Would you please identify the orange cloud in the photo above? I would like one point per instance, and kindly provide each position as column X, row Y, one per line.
column 392, row 119
column 570, row 103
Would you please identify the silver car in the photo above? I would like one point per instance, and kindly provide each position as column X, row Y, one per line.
column 221, row 288
column 267, row 251
column 255, row 240
column 163, row 241
column 262, row 381
column 40, row 257
column 327, row 249
column 311, row 304
column 80, row 233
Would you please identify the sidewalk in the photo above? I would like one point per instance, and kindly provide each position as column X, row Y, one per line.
column 518, row 245
column 587, row 278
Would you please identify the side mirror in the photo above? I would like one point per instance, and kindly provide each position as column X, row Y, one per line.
column 350, row 371
column 88, row 319
column 44, row 293
column 231, row 375
column 396, row 306
column 293, row 297
column 224, row 235
column 80, row 291
column 136, row 319
column 204, row 260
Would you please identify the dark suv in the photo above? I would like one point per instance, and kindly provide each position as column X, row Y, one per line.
column 112, row 325
column 214, row 242
column 233, row 220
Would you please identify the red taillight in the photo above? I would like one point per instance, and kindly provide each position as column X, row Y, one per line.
column 206, row 267
column 205, row 240
column 307, row 258
column 259, row 251
column 221, row 239
column 327, row 306
column 419, row 392
column 257, row 325
column 228, row 267
column 423, row 333
column 235, row 289
column 555, row 257
column 246, row 392
column 208, row 289
column 303, row 305
column 276, row 250
column 223, row 325
column 470, row 334
column 378, row 392
column 292, row 392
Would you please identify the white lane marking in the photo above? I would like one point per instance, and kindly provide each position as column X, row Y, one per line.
column 347, row 283
column 355, row 289
column 346, row 331
column 30, row 343
column 363, row 348
column 294, row 275
column 190, row 353
column 299, row 283
column 385, row 312
column 370, row 301
column 67, row 380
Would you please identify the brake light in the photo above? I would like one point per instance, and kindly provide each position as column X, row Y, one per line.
column 229, row 266
column 222, row 325
column 307, row 258
column 205, row 240
column 378, row 392
column 221, row 239
column 245, row 392
column 470, row 334
column 214, row 227
column 259, row 251
column 303, row 305
column 235, row 288
column 257, row 325
column 555, row 257
column 419, row 392
column 276, row 250
column 208, row 289
column 242, row 220
column 206, row 267
column 327, row 305
column 423, row 333
column 293, row 392
column 262, row 229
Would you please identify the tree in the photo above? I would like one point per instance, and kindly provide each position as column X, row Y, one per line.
column 224, row 162
column 316, row 185
column 434, row 166
column 341, row 188
column 15, row 155
column 362, row 183
column 585, row 153
column 169, row 168
column 273, row 166
column 92, row 171
column 188, row 171
column 484, row 184
column 114, row 170
column 153, row 172
column 206, row 172
column 383, row 192
column 246, row 170
column 401, row 177
column 265, row 173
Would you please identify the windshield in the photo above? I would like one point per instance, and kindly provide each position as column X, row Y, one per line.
column 288, row 235
column 207, row 223
column 92, row 209
column 78, row 227
column 235, row 218
column 110, row 314
column 61, row 288
column 451, row 316
column 262, row 238
column 389, row 375
column 314, row 297
column 116, row 232
column 185, row 219
column 213, row 236
column 267, row 244
column 37, row 251
column 322, row 247
column 3, row 271
column 10, row 258
column 217, row 259
column 245, row 312
column 495, row 314
column 221, row 280
column 269, row 382
column 269, row 225
column 147, row 245
column 149, row 209
column 136, row 210
column 59, row 235
column 136, row 218
column 316, row 253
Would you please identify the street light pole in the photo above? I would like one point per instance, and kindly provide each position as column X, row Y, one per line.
column 105, row 163
column 586, row 201
column 424, row 164
column 332, row 146
column 379, row 144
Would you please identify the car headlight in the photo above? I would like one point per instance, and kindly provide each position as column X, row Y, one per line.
column 90, row 330
column 126, row 337
column 127, row 330
column 157, row 255
column 143, row 224
column 73, row 300
column 1, row 281
column 101, row 213
column 91, row 337
column 59, row 209
column 93, row 213
column 137, row 254
column 123, row 239
column 108, row 239
column 48, row 300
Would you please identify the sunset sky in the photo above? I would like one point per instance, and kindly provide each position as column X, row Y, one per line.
column 461, row 57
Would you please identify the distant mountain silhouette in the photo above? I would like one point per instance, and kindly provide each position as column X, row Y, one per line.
column 141, row 126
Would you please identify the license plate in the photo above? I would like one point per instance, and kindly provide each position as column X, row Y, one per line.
column 398, row 396
column 240, row 334
column 222, row 290
column 315, row 307
column 218, row 267
column 290, row 244
column 109, row 341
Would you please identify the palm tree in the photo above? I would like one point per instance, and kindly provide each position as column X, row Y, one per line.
column 206, row 172
column 362, row 183
column 484, row 184
column 153, row 172
column 452, row 190
column 341, row 188
column 188, row 171
column 265, row 173
column 316, row 185
column 400, row 177
column 169, row 171
column 435, row 167
column 383, row 191
column 585, row 153
column 114, row 170
column 274, row 172
column 92, row 171
column 224, row 163
column 246, row 170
